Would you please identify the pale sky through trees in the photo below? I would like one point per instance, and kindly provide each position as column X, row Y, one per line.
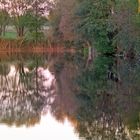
column 19, row 7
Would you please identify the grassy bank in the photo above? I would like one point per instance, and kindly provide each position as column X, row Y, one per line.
column 9, row 35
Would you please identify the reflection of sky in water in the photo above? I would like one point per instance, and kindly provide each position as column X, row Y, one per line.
column 48, row 129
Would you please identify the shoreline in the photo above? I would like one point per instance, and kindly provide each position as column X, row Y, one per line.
column 38, row 50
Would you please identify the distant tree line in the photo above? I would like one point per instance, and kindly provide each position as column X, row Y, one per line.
column 27, row 16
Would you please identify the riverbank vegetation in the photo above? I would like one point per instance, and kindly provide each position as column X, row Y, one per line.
column 109, row 26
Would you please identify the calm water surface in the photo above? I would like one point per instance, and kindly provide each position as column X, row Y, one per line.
column 55, row 96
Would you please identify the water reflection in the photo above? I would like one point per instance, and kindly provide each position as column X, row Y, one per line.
column 52, row 93
column 109, row 108
column 33, row 100
column 24, row 93
column 48, row 128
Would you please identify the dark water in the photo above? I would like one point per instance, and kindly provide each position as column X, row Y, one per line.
column 59, row 96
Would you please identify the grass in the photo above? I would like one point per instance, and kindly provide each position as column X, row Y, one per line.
column 10, row 35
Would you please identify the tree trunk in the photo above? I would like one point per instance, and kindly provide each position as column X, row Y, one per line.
column 20, row 31
column 90, row 54
column 139, row 6
column 112, row 7
column 4, row 30
column 0, row 31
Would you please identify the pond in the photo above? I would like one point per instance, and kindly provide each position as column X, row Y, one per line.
column 51, row 96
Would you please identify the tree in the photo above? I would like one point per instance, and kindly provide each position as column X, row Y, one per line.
column 62, row 19
column 126, row 21
column 94, row 23
column 4, row 16
column 35, row 24
column 66, row 25
column 19, row 11
column 40, row 8
column 4, row 20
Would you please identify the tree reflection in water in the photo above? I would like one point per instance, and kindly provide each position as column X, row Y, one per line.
column 24, row 94
column 101, row 101
column 109, row 109
column 29, row 90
